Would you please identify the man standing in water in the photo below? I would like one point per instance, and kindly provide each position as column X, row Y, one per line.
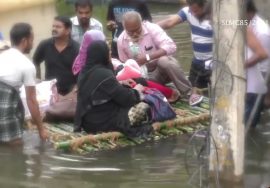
column 197, row 14
column 262, row 31
column 17, row 70
column 83, row 20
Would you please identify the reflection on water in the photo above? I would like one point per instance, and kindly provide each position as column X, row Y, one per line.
column 153, row 164
column 150, row 165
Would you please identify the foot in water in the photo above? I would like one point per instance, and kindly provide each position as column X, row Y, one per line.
column 141, row 132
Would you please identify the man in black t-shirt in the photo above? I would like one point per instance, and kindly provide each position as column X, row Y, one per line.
column 116, row 10
column 58, row 53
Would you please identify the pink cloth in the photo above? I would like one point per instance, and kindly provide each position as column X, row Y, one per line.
column 88, row 37
column 153, row 38
column 131, row 70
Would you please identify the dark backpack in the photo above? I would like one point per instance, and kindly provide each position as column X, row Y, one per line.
column 160, row 109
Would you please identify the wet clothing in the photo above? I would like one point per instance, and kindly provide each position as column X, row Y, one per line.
column 11, row 113
column 202, row 44
column 58, row 64
column 198, row 75
column 256, row 86
column 116, row 10
column 16, row 71
column 250, row 102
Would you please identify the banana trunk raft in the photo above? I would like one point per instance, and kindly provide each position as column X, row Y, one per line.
column 188, row 120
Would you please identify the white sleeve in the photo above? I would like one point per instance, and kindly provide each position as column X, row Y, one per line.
column 29, row 74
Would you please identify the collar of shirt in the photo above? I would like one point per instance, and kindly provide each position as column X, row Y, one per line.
column 70, row 42
column 75, row 21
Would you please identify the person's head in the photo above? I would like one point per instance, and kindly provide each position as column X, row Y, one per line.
column 197, row 7
column 22, row 37
column 88, row 38
column 98, row 53
column 83, row 10
column 132, row 22
column 61, row 27
column 251, row 9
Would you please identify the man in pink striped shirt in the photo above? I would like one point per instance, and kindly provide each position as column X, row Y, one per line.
column 152, row 48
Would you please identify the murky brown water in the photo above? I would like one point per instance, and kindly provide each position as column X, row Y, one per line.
column 153, row 164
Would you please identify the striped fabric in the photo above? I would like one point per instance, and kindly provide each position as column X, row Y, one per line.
column 201, row 35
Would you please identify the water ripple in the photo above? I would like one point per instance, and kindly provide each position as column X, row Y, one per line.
column 59, row 168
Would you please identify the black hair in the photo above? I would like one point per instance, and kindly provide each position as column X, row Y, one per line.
column 200, row 3
column 83, row 3
column 20, row 31
column 65, row 20
column 250, row 6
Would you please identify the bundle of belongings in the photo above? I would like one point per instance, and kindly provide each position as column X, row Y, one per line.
column 53, row 106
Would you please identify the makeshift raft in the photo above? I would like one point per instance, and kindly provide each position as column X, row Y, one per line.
column 189, row 119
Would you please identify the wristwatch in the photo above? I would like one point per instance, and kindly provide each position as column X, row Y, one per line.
column 147, row 56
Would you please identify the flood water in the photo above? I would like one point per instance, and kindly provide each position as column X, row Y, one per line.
column 155, row 164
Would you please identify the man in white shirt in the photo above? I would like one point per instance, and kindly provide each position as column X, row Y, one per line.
column 256, row 86
column 261, row 29
column 83, row 20
column 17, row 70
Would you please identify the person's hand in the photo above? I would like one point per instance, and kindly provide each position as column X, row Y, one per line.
column 43, row 134
column 139, row 88
column 141, row 59
column 129, row 82
column 111, row 25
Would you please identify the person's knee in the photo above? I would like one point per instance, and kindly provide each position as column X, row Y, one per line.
column 166, row 62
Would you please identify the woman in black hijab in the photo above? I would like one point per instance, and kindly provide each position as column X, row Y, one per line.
column 103, row 103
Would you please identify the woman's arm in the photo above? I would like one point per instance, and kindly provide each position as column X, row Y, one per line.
column 124, row 96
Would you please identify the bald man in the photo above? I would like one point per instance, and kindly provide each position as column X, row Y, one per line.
column 149, row 45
